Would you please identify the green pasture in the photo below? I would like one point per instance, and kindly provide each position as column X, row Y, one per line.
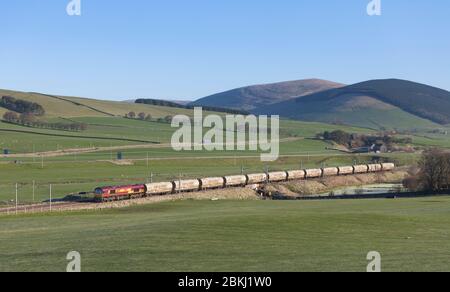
column 232, row 236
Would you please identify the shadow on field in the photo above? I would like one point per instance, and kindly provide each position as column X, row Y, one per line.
column 79, row 198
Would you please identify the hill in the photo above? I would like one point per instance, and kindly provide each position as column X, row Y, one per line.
column 389, row 103
column 251, row 97
column 71, row 107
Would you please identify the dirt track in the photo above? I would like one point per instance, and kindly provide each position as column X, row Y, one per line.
column 75, row 151
column 83, row 150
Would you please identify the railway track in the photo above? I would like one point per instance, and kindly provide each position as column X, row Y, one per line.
column 43, row 207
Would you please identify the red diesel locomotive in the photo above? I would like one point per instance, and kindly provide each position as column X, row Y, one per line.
column 105, row 194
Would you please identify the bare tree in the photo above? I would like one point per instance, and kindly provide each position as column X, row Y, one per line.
column 27, row 119
column 141, row 116
column 434, row 172
column 10, row 116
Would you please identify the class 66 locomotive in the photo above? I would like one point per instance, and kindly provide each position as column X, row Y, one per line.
column 115, row 193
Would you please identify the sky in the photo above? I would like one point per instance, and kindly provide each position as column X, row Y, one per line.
column 187, row 49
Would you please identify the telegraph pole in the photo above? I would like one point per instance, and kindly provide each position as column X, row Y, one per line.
column 17, row 197
column 34, row 185
column 50, row 198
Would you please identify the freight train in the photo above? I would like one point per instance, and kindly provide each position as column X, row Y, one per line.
column 106, row 194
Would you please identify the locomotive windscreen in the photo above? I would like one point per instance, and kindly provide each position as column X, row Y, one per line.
column 98, row 191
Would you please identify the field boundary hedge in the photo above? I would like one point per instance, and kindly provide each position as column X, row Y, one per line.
column 75, row 103
column 79, row 137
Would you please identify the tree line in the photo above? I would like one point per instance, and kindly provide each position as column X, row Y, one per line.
column 177, row 105
column 30, row 120
column 148, row 117
column 21, row 106
column 360, row 140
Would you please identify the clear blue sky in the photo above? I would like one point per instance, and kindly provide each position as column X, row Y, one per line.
column 185, row 49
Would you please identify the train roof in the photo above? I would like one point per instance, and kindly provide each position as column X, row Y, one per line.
column 121, row 187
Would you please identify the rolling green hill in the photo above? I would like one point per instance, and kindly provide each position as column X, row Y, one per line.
column 70, row 107
column 374, row 114
column 375, row 104
column 251, row 97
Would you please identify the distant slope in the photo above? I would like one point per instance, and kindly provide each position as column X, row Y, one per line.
column 54, row 107
column 390, row 103
column 118, row 108
column 180, row 102
column 251, row 97
column 71, row 107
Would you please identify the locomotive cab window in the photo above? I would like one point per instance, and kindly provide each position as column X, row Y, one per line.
column 136, row 190
column 112, row 192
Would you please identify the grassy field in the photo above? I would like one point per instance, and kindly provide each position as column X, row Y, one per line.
column 101, row 132
column 373, row 118
column 116, row 131
column 411, row 235
column 442, row 141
